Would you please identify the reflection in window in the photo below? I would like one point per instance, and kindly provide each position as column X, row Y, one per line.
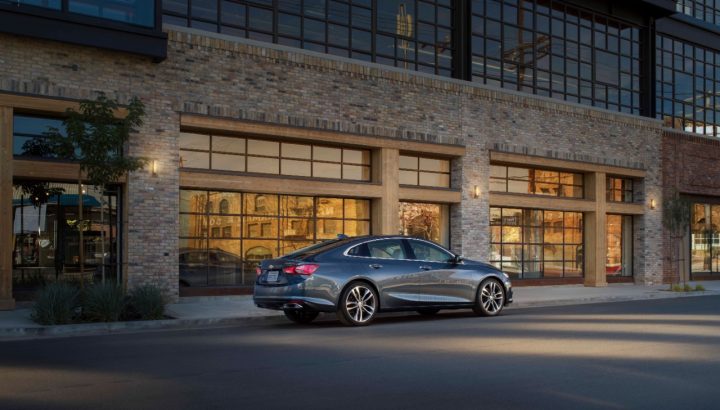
column 552, row 49
column 136, row 12
column 705, row 238
column 272, row 157
column 245, row 228
column 30, row 136
column 424, row 171
column 619, row 189
column 426, row 221
column 536, row 181
column 411, row 34
column 619, row 245
column 532, row 243
column 706, row 10
column 687, row 83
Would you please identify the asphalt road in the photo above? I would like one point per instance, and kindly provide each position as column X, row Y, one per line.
column 649, row 354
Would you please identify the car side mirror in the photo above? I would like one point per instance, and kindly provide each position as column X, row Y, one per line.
column 458, row 259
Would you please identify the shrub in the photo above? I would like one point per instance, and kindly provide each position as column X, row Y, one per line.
column 147, row 303
column 699, row 288
column 677, row 288
column 103, row 303
column 55, row 304
column 687, row 288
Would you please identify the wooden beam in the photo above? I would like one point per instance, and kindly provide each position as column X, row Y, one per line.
column 276, row 185
column 625, row 208
column 201, row 123
column 416, row 194
column 56, row 171
column 6, row 217
column 577, row 166
column 541, row 202
column 386, row 209
column 595, row 232
column 44, row 104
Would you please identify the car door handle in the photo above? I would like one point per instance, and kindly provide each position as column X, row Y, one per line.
column 375, row 266
column 425, row 267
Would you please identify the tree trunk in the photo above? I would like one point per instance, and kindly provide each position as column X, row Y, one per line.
column 80, row 231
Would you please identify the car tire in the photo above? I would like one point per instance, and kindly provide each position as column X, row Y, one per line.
column 490, row 298
column 428, row 312
column 301, row 316
column 358, row 304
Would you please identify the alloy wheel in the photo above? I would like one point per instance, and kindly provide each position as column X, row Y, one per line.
column 359, row 304
column 491, row 298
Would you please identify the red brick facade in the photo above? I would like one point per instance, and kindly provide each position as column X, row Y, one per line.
column 691, row 166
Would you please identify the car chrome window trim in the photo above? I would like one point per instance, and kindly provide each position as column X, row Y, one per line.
column 402, row 238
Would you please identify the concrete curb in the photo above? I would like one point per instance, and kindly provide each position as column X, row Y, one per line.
column 95, row 329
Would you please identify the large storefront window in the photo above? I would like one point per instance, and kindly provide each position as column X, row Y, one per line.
column 687, row 80
column 426, row 221
column 411, row 34
column 223, row 235
column 224, row 153
column 619, row 243
column 533, row 243
column 549, row 48
column 705, row 238
column 46, row 240
column 424, row 171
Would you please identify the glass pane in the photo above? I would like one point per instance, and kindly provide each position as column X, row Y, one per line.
column 356, row 172
column 194, row 141
column 357, row 209
column 192, row 159
column 287, row 247
column 498, row 185
column 193, row 201
column 408, row 177
column 329, row 208
column 426, row 252
column 498, row 171
column 263, row 165
column 261, row 204
column 228, row 162
column 387, row 249
column 296, row 206
column 327, row 154
column 227, row 144
column 329, row 228
column 193, row 267
column 408, row 162
column 352, row 156
column 225, row 203
column 193, row 225
column 519, row 173
column 326, row 170
column 356, row 228
column 297, row 168
column 297, row 229
column 298, row 151
column 553, row 269
column 436, row 180
column 266, row 148
column 224, row 263
column 518, row 187
column 435, row 165
column 260, row 227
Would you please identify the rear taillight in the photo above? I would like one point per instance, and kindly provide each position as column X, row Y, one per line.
column 258, row 271
column 306, row 269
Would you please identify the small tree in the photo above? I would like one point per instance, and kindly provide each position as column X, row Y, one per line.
column 95, row 138
column 676, row 219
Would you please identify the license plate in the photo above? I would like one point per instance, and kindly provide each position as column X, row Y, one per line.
column 272, row 276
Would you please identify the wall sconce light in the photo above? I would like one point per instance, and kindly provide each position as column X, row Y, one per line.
column 653, row 204
column 154, row 167
column 476, row 191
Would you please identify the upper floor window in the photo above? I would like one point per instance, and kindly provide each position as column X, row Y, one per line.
column 548, row 48
column 410, row 34
column 536, row 181
column 30, row 136
column 48, row 4
column 619, row 189
column 424, row 171
column 272, row 157
column 687, row 83
column 136, row 12
column 706, row 10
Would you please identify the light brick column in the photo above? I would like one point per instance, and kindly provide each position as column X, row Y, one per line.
column 6, row 231
column 386, row 209
column 595, row 231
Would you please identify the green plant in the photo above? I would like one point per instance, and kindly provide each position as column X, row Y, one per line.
column 55, row 304
column 699, row 288
column 676, row 288
column 687, row 288
column 147, row 303
column 103, row 302
column 676, row 220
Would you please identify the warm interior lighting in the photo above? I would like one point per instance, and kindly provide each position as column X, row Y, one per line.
column 476, row 191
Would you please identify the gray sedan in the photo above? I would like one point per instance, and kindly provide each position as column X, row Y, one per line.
column 359, row 277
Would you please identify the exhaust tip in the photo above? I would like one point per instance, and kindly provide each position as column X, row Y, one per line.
column 292, row 306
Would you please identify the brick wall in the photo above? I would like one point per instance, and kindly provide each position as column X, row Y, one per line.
column 222, row 76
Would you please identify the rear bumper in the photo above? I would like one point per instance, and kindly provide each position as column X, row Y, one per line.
column 291, row 297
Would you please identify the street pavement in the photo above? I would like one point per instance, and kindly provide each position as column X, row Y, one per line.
column 652, row 354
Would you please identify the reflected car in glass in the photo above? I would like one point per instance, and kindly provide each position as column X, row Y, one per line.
column 357, row 278
column 201, row 267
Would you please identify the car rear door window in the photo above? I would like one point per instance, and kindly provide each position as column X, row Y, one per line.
column 387, row 249
column 427, row 252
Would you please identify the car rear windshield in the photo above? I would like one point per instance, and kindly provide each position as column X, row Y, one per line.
column 316, row 248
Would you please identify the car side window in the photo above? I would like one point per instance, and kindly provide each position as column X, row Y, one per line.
column 387, row 249
column 359, row 250
column 426, row 252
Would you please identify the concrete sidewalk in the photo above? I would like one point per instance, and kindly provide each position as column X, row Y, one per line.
column 227, row 310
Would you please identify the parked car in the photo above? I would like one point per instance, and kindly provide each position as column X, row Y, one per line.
column 358, row 277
